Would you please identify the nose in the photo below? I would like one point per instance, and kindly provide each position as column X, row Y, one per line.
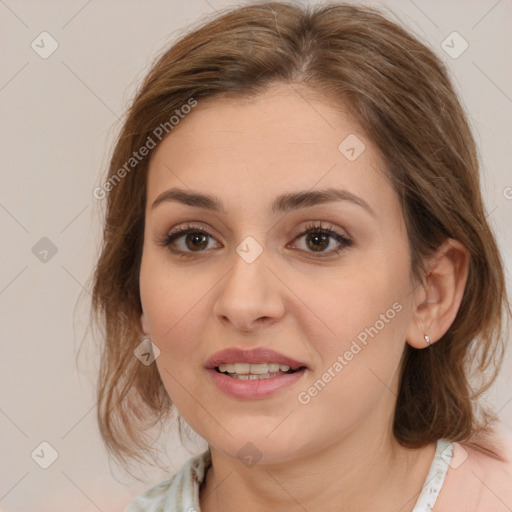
column 250, row 296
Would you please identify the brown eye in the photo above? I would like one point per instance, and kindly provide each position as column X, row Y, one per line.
column 317, row 241
column 196, row 241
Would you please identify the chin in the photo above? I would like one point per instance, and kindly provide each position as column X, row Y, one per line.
column 261, row 445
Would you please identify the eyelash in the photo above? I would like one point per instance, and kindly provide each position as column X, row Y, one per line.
column 315, row 228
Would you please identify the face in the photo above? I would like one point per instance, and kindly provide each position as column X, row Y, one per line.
column 323, row 281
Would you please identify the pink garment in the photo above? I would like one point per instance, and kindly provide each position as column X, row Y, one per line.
column 477, row 482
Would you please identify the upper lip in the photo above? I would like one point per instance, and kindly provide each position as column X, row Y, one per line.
column 252, row 356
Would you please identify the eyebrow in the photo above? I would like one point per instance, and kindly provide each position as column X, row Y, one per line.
column 283, row 203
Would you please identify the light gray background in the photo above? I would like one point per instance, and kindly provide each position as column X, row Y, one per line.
column 59, row 116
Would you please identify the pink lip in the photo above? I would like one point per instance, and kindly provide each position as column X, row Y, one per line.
column 253, row 389
column 252, row 356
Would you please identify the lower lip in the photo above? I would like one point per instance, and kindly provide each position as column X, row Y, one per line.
column 253, row 389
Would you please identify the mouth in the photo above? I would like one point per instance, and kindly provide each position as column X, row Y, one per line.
column 258, row 371
column 254, row 373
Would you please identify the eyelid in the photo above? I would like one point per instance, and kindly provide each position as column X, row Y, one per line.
column 322, row 226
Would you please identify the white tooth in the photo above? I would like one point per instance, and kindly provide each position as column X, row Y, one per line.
column 258, row 369
column 242, row 368
column 267, row 375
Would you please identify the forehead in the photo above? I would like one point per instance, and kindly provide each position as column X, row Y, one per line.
column 285, row 115
column 280, row 141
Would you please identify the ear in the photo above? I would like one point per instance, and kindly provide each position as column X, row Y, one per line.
column 145, row 325
column 438, row 298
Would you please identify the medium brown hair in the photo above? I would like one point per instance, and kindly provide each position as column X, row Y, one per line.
column 401, row 95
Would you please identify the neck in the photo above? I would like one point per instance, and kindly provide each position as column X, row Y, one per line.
column 361, row 472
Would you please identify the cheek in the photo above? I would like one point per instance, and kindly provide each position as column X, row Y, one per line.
column 168, row 294
column 356, row 302
column 358, row 364
column 173, row 303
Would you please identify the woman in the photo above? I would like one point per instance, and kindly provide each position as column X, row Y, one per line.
column 296, row 256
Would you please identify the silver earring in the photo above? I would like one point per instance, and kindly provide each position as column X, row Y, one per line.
column 427, row 339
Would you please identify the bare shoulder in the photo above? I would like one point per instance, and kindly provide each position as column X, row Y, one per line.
column 479, row 478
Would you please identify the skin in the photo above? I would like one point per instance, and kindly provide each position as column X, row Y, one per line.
column 336, row 452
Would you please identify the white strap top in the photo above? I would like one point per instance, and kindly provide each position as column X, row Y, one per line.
column 435, row 478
